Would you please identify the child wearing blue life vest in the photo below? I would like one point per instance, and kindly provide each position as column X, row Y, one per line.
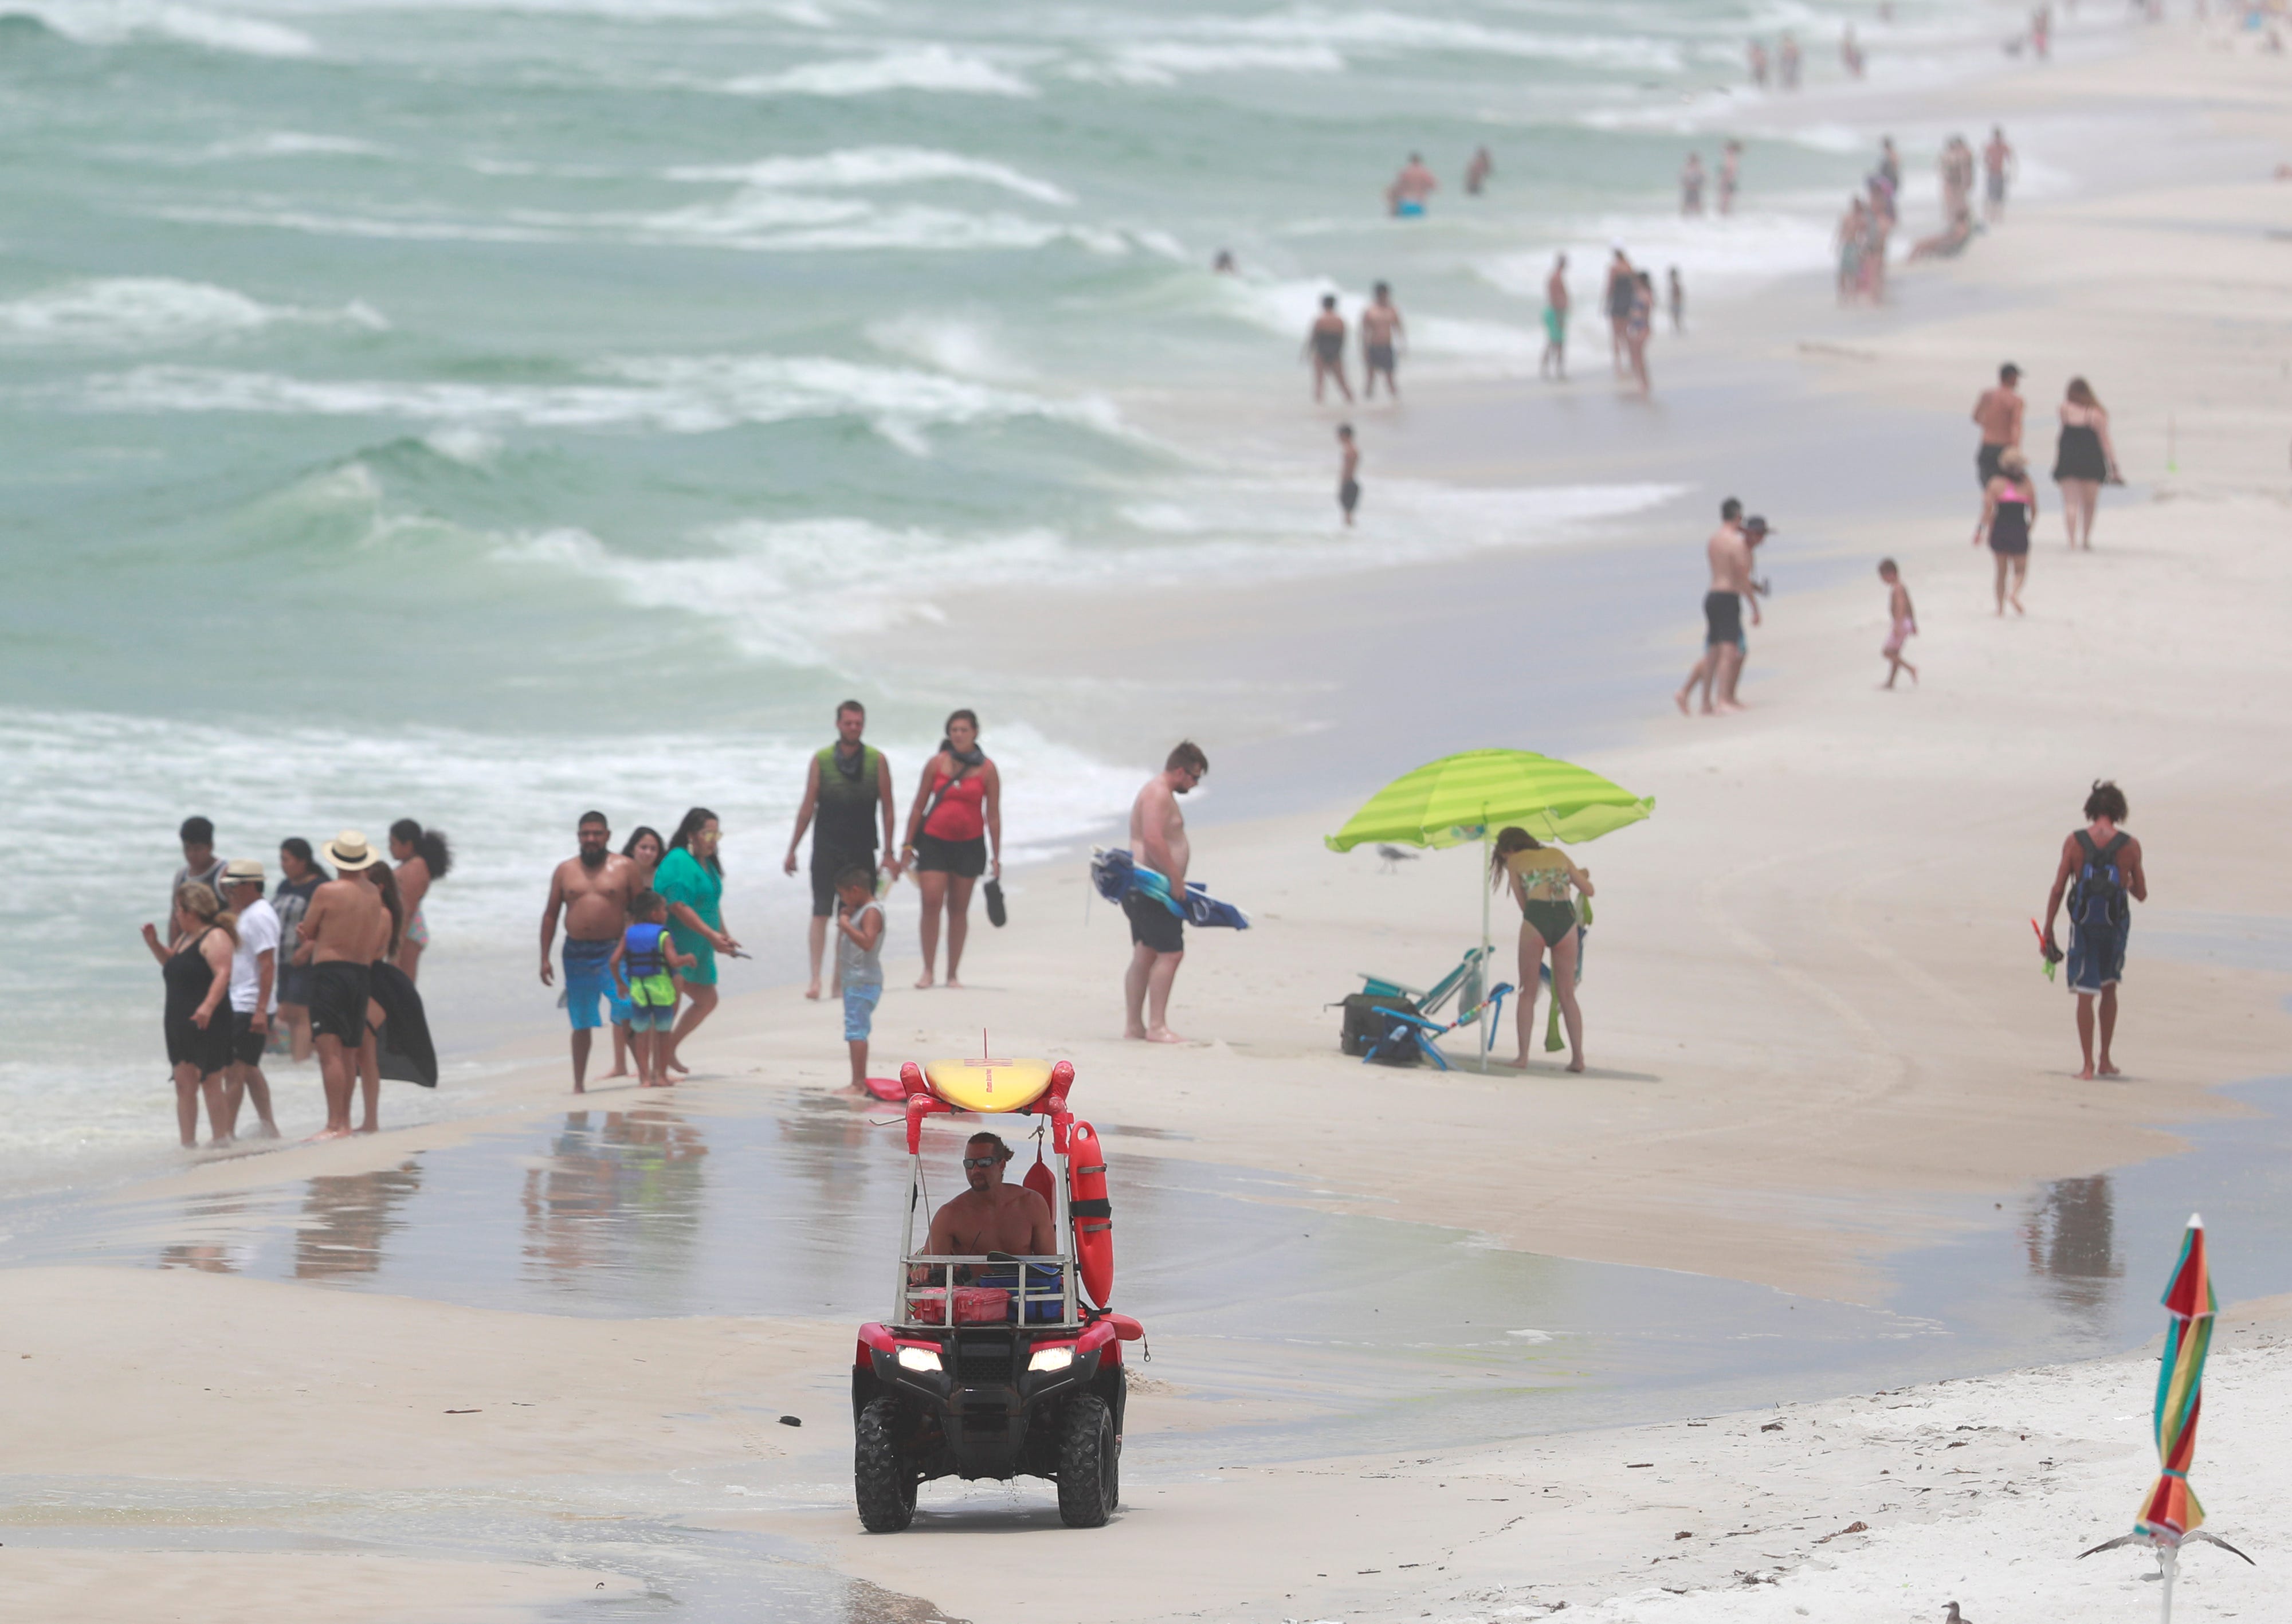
column 644, row 968
column 858, row 961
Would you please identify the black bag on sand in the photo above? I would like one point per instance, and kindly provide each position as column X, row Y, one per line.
column 998, row 915
column 1364, row 1025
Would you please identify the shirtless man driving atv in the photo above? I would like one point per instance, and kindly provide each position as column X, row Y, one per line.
column 991, row 1216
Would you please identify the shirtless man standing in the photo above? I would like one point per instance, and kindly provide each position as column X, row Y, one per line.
column 338, row 931
column 1158, row 841
column 1380, row 324
column 594, row 890
column 991, row 1216
column 1722, row 613
column 1997, row 161
column 1325, row 342
column 1411, row 187
column 1998, row 412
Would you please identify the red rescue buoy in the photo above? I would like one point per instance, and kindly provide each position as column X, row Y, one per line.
column 1092, row 1213
column 1042, row 1181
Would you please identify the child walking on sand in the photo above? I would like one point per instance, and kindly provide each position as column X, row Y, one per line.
column 858, row 961
column 645, row 967
column 1902, row 623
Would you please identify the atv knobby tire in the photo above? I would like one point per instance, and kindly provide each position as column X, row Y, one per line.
column 882, row 1482
column 1090, row 1463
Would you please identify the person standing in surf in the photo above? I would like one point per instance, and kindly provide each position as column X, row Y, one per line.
column 692, row 881
column 1158, row 937
column 201, row 866
column 194, row 966
column 1380, row 326
column 1623, row 288
column 423, row 858
column 1325, row 342
column 1411, row 188
column 1554, row 361
column 255, row 964
column 1348, row 473
column 592, row 890
column 849, row 787
column 955, row 836
column 339, row 933
column 302, row 878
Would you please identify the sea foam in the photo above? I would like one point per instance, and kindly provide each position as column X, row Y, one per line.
column 153, row 312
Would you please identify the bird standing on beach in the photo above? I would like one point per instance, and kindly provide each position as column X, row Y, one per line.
column 1390, row 858
column 1952, row 1615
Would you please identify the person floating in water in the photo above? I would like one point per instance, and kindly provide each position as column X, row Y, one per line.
column 1223, row 264
column 1380, row 325
column 1348, row 473
column 1406, row 195
column 1477, row 172
column 1325, row 342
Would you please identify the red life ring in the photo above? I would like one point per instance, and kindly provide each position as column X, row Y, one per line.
column 1092, row 1215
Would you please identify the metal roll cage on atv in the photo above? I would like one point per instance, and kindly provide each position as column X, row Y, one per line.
column 997, row 1365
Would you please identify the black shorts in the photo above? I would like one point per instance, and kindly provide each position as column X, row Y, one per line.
column 1378, row 357
column 247, row 1044
column 1153, row 925
column 208, row 1049
column 825, row 866
column 1985, row 464
column 1349, row 495
column 338, row 998
column 963, row 859
column 1723, row 618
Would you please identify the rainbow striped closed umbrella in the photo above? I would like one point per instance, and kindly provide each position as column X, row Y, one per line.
column 2171, row 1514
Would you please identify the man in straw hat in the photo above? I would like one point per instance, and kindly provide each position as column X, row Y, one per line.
column 338, row 936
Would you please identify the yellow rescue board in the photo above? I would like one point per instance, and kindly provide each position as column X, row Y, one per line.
column 988, row 1085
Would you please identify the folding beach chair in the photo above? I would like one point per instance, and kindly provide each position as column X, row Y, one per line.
column 1413, row 1036
column 1465, row 978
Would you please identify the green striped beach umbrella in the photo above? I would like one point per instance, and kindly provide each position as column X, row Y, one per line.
column 1470, row 796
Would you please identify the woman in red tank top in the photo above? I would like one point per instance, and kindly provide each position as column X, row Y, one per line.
column 957, row 816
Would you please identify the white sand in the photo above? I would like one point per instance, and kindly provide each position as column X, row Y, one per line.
column 1817, row 1029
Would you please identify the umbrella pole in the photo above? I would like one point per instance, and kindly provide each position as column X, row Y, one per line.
column 2168, row 1558
column 1488, row 1036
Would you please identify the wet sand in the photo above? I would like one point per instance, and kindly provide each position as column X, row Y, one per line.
column 1819, row 1045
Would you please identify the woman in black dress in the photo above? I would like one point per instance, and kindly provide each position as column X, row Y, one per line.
column 2009, row 513
column 2084, row 462
column 196, row 965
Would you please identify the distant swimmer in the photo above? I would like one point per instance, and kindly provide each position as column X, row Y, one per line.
column 1348, row 471
column 1223, row 264
column 1380, row 325
column 1623, row 284
column 1691, row 185
column 1477, row 172
column 1325, row 342
column 1787, row 62
column 1731, row 175
column 1758, row 59
column 1411, row 188
column 1554, row 362
column 1996, row 164
column 1850, row 53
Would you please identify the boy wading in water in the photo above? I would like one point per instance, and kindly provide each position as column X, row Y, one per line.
column 859, row 962
column 1902, row 623
column 645, row 965
column 2100, row 870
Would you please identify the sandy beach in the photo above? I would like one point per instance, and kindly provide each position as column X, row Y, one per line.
column 1821, row 1055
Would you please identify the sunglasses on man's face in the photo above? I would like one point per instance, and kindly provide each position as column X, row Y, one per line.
column 982, row 1161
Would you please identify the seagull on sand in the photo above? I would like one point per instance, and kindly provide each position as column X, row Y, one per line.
column 1953, row 1616
column 1390, row 858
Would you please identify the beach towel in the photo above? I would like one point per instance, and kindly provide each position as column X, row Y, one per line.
column 1117, row 875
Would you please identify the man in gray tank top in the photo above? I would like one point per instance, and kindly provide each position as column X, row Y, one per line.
column 848, row 788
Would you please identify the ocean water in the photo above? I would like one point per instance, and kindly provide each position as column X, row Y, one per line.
column 480, row 410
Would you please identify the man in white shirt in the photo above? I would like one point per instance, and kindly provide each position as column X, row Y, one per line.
column 253, row 994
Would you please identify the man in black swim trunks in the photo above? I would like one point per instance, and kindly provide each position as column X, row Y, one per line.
column 338, row 931
column 1999, row 414
column 1158, row 937
column 849, row 785
column 1325, row 342
column 1380, row 326
column 1730, row 551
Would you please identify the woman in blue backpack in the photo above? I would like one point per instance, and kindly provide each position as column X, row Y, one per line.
column 2100, row 876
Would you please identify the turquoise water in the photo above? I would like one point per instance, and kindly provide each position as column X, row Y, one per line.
column 480, row 411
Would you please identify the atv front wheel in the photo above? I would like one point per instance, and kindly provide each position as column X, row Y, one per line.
column 1090, row 1463
column 882, row 1482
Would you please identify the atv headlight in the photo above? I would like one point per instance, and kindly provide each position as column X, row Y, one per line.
column 918, row 1359
column 1051, row 1359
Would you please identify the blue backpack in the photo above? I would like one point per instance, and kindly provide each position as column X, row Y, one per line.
column 2097, row 895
